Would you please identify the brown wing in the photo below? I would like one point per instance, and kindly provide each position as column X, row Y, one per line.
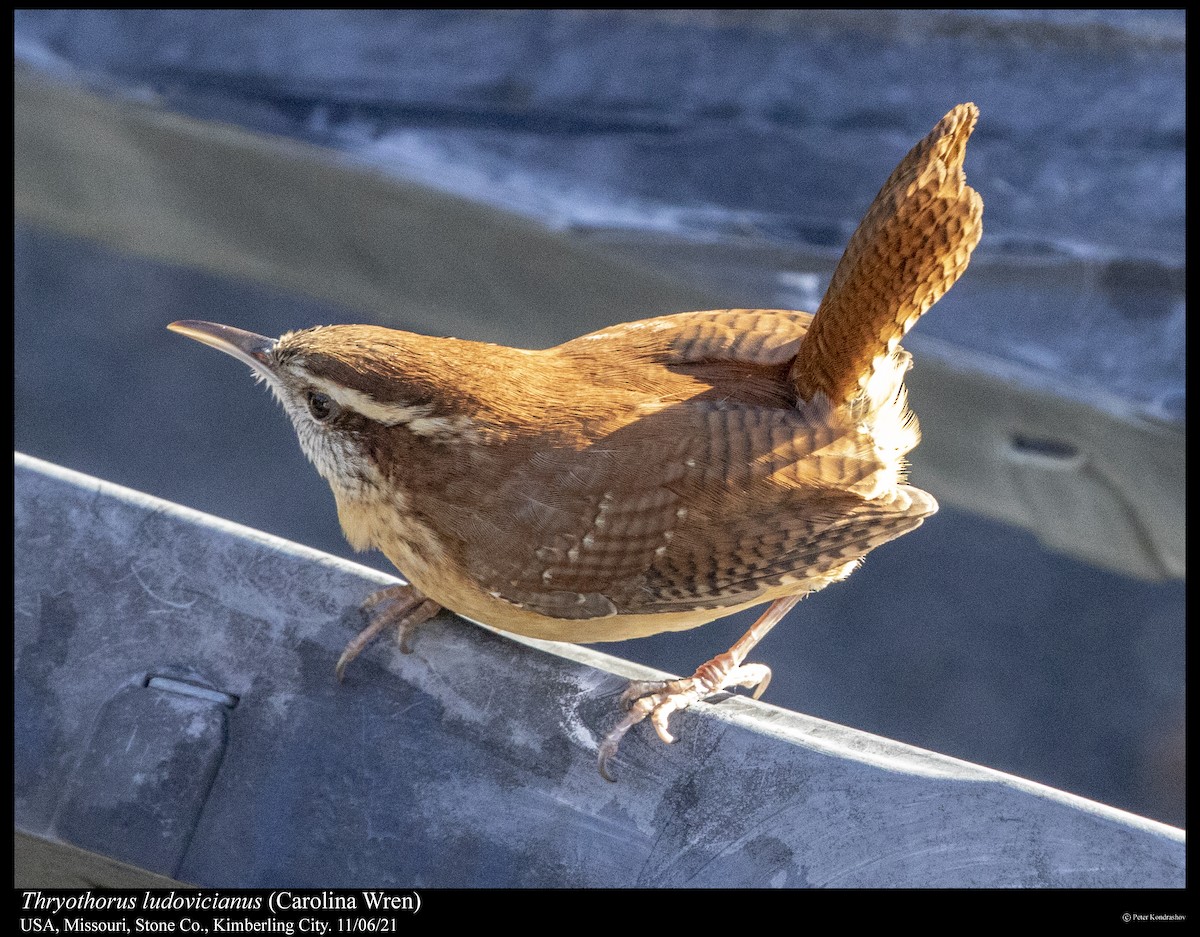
column 800, row 545
column 748, row 336
column 699, row 504
column 913, row 244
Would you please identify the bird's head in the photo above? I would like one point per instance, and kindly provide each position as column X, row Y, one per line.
column 362, row 398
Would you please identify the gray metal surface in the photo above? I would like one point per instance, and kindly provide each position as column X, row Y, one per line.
column 176, row 707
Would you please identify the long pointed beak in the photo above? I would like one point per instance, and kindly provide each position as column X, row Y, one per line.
column 254, row 350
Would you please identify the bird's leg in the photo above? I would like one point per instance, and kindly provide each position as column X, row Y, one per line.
column 658, row 699
column 406, row 608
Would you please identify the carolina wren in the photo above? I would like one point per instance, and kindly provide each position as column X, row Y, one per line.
column 648, row 477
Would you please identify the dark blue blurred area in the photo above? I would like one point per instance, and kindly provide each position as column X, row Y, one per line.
column 731, row 152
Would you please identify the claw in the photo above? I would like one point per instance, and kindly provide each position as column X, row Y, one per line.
column 356, row 645
column 661, row 699
column 406, row 609
column 608, row 749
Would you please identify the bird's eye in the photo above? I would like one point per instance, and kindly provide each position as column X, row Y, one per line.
column 321, row 406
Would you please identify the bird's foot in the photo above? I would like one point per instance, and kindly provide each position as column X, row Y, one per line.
column 403, row 607
column 658, row 699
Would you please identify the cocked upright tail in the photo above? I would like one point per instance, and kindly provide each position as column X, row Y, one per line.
column 912, row 245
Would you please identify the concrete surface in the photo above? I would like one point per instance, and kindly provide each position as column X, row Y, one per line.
column 176, row 708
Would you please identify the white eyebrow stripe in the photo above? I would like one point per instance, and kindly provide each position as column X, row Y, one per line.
column 389, row 414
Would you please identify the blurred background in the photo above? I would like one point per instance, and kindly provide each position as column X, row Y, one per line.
column 525, row 177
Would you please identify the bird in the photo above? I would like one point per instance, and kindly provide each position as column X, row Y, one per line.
column 650, row 476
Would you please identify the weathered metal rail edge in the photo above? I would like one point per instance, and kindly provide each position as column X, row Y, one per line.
column 176, row 709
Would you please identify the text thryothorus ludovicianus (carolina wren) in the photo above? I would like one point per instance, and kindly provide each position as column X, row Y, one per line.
column 652, row 476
